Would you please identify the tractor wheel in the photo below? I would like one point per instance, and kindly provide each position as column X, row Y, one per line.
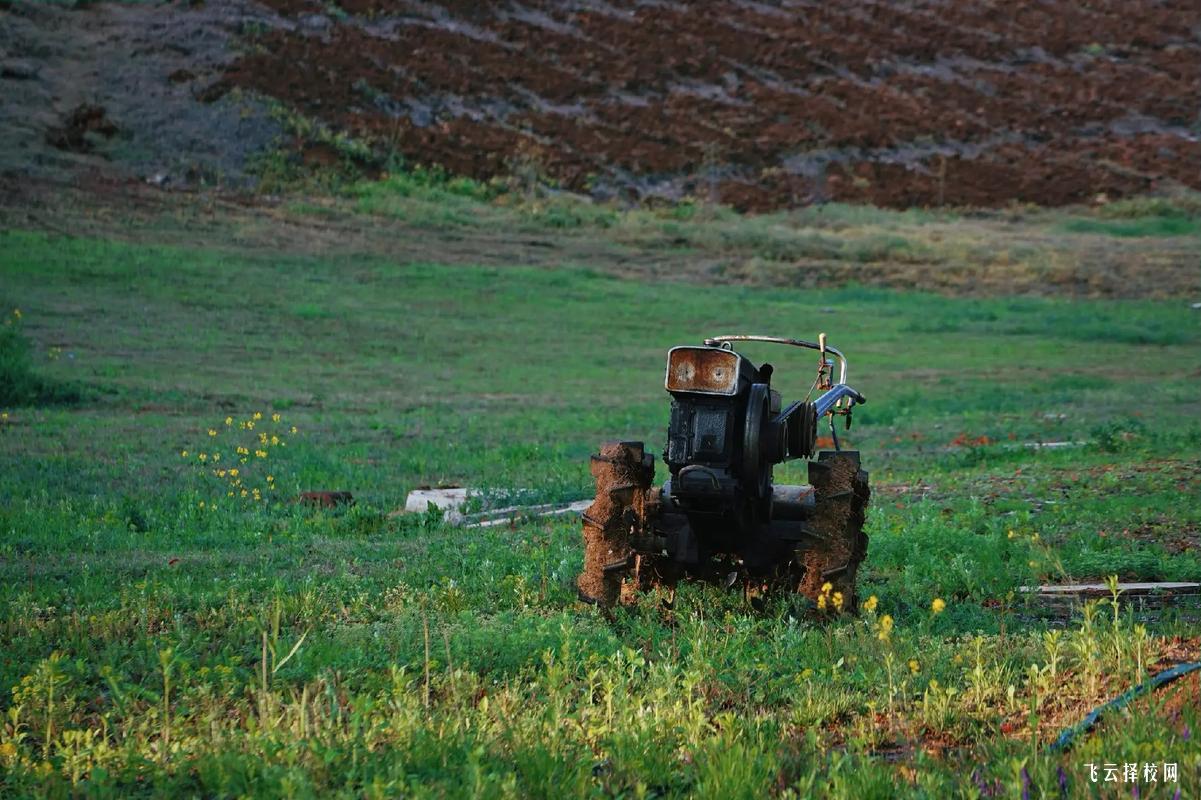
column 842, row 496
column 621, row 514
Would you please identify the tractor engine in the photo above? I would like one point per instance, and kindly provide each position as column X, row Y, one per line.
column 719, row 516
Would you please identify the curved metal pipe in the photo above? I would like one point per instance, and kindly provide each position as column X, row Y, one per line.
column 830, row 399
column 748, row 337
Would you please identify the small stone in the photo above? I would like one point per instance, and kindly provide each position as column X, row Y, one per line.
column 314, row 22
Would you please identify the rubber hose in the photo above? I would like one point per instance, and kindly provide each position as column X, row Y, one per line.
column 1167, row 676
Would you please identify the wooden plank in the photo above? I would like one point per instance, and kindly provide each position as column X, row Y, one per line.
column 1102, row 589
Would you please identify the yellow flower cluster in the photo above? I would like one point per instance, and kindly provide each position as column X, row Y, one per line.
column 828, row 598
column 938, row 605
column 237, row 481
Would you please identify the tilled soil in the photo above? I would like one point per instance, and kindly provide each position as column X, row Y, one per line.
column 759, row 105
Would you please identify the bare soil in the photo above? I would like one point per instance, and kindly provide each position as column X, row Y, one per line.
column 760, row 105
column 756, row 105
column 118, row 89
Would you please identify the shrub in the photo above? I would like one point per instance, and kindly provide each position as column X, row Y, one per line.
column 19, row 384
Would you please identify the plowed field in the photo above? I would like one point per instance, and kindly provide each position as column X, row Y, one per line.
column 759, row 105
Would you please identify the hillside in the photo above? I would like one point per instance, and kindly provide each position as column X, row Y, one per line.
column 754, row 105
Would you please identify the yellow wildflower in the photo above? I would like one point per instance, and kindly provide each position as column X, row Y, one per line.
column 249, row 426
column 914, row 667
column 233, row 473
column 274, row 440
column 837, row 600
column 212, row 432
column 275, row 417
column 258, row 415
column 229, row 420
column 938, row 606
column 821, row 602
column 242, row 425
column 870, row 603
column 203, row 457
column 807, row 673
column 4, row 416
column 202, row 504
column 827, row 587
column 244, row 492
column 270, row 479
column 8, row 750
column 260, row 453
column 216, row 456
column 183, row 453
column 934, row 684
column 293, row 429
column 885, row 628
column 1013, row 534
column 17, row 313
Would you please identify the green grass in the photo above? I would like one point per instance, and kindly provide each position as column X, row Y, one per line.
column 1144, row 217
column 150, row 645
column 1147, row 226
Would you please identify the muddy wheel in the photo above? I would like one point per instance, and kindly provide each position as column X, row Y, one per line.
column 620, row 515
column 842, row 497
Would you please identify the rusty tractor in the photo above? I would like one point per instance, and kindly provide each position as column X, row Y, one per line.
column 719, row 517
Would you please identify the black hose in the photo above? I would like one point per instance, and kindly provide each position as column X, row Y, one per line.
column 1179, row 671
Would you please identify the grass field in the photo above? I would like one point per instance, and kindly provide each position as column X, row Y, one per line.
column 164, row 635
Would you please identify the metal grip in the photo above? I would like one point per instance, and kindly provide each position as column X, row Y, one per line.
column 830, row 399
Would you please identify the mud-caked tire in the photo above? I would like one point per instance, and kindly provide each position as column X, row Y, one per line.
column 622, row 512
column 842, row 494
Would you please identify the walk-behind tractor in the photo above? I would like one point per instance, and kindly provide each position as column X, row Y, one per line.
column 719, row 517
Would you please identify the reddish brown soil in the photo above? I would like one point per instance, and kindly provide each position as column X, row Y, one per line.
column 761, row 106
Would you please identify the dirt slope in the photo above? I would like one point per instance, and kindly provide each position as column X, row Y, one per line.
column 117, row 89
column 761, row 104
